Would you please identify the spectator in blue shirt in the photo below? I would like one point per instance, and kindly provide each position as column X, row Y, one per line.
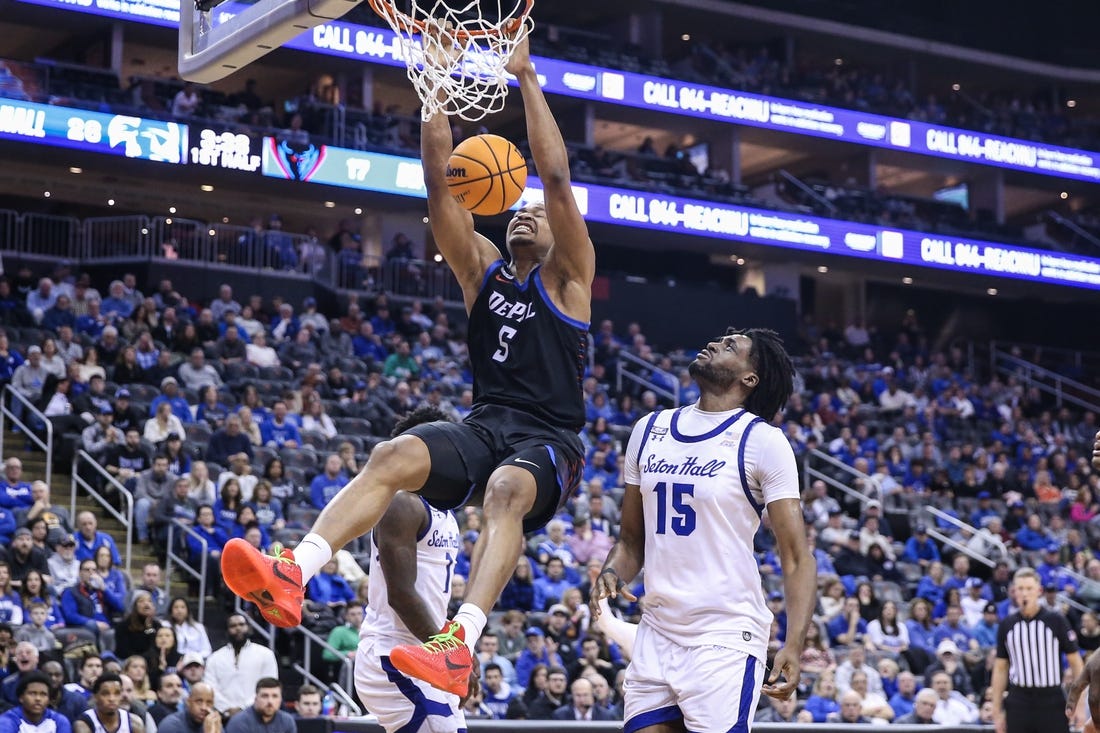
column 822, row 702
column 7, row 526
column 15, row 493
column 367, row 345
column 952, row 628
column 280, row 431
column 214, row 535
column 326, row 484
column 89, row 539
column 922, row 633
column 920, row 549
column 961, row 575
column 88, row 605
column 984, row 511
column 329, row 587
column 931, row 586
column 170, row 393
column 535, row 653
column 10, row 359
column 985, row 631
column 116, row 306
column 551, row 587
column 848, row 627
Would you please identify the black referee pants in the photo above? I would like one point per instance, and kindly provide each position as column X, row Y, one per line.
column 1035, row 710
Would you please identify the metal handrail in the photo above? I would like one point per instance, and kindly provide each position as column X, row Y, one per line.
column 268, row 634
column 1032, row 373
column 28, row 433
column 345, row 663
column 950, row 542
column 185, row 566
column 1073, row 227
column 126, row 520
column 809, row 473
column 627, row 357
column 807, row 190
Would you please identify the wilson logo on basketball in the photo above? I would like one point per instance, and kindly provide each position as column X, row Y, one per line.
column 456, row 172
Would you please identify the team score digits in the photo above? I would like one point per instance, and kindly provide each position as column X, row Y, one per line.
column 86, row 131
column 683, row 521
column 507, row 333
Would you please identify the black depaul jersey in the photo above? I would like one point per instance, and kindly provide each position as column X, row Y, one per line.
column 526, row 354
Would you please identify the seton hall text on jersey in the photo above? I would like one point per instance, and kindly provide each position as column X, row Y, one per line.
column 689, row 467
column 444, row 539
column 513, row 311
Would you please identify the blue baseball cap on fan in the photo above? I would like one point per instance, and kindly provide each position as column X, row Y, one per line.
column 534, row 631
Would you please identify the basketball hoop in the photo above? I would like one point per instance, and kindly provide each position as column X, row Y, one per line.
column 455, row 54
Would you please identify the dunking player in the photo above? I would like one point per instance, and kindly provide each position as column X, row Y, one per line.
column 412, row 559
column 697, row 480
column 517, row 453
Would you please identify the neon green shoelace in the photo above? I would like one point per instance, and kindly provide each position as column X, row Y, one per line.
column 279, row 553
column 445, row 640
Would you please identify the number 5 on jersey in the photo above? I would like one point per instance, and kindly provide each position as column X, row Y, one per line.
column 507, row 333
column 683, row 522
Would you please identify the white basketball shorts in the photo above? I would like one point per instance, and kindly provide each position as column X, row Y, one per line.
column 403, row 704
column 712, row 689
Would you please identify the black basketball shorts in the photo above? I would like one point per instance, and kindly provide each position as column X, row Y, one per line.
column 464, row 456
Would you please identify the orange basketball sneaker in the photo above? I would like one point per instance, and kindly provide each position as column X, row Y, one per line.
column 273, row 582
column 444, row 661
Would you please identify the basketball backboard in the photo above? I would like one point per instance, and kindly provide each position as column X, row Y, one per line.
column 220, row 38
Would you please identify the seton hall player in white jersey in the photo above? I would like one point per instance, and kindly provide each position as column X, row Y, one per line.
column 413, row 551
column 697, row 481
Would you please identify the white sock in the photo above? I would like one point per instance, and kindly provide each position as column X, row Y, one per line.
column 311, row 554
column 473, row 622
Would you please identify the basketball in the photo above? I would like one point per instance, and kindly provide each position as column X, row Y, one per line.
column 486, row 174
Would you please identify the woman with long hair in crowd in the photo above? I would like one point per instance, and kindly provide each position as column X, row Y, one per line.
column 115, row 582
column 519, row 593
column 816, row 656
column 136, row 667
column 269, row 510
column 35, row 590
column 346, row 451
column 191, row 636
column 536, row 683
column 134, row 633
column 282, row 487
column 317, row 420
column 870, row 607
column 162, row 424
column 887, row 634
column 52, row 361
column 211, row 409
column 90, row 366
column 249, row 427
column 228, row 505
column 11, row 607
column 922, row 630
column 199, row 486
column 163, row 656
column 127, row 370
column 832, row 598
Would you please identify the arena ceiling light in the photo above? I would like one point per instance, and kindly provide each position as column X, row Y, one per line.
column 206, row 187
column 907, row 281
column 822, row 269
column 75, row 169
column 1071, row 103
column 991, row 291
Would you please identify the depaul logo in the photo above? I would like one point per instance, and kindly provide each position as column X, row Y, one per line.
column 296, row 164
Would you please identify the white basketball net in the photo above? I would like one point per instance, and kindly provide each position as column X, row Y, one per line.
column 460, row 70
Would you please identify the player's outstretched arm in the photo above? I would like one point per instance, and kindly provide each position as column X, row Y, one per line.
column 799, row 589
column 395, row 536
column 626, row 558
column 573, row 252
column 467, row 253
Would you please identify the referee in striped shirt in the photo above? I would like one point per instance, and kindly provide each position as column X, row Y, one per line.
column 1030, row 645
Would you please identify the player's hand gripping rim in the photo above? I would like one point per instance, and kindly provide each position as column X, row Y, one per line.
column 784, row 675
column 608, row 585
